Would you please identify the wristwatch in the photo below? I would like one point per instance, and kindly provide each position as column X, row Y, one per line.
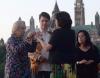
column 77, row 62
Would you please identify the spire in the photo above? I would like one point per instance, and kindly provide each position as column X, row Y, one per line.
column 79, row 1
column 91, row 23
column 97, row 14
column 97, row 19
column 31, row 18
column 56, row 8
column 19, row 19
column 32, row 27
column 97, row 22
column 20, row 22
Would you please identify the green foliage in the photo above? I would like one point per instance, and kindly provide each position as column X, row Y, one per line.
column 98, row 45
column 2, row 60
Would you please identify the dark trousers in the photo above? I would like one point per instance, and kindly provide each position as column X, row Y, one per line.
column 43, row 74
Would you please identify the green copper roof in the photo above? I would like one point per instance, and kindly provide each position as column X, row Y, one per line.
column 88, row 28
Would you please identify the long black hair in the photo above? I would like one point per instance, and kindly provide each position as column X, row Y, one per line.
column 87, row 36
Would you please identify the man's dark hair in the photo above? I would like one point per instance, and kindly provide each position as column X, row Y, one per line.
column 44, row 14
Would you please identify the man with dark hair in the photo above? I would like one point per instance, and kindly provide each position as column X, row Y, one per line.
column 44, row 14
column 44, row 68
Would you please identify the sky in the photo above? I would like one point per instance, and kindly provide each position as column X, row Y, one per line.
column 11, row 10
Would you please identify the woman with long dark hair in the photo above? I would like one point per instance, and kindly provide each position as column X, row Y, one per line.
column 87, row 56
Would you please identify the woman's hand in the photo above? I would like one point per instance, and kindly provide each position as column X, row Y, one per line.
column 98, row 66
column 29, row 40
column 85, row 62
column 90, row 61
column 82, row 61
column 30, row 37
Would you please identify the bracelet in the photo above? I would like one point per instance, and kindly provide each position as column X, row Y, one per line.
column 77, row 62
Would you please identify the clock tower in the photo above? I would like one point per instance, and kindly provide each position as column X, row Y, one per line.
column 79, row 13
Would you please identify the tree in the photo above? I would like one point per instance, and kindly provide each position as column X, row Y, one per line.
column 2, row 57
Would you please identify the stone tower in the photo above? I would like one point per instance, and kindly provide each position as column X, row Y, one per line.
column 55, row 10
column 19, row 19
column 97, row 22
column 32, row 27
column 79, row 13
column 97, row 19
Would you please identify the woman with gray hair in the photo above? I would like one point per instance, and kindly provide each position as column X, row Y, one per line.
column 17, row 63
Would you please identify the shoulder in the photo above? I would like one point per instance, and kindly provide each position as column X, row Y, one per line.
column 77, row 49
column 71, row 31
column 10, row 40
column 10, row 43
column 58, row 31
column 64, row 30
column 94, row 47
